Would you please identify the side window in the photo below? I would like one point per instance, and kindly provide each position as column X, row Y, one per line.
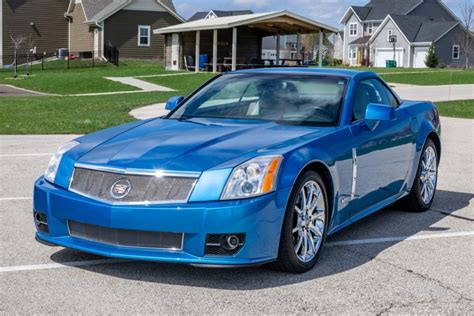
column 393, row 101
column 369, row 91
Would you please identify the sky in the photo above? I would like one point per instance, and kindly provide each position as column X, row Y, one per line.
column 326, row 11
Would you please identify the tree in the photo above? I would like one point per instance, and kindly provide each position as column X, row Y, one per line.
column 431, row 60
column 17, row 42
column 466, row 37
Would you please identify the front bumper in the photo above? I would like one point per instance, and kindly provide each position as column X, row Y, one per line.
column 260, row 219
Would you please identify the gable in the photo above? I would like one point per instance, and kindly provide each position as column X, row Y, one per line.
column 99, row 10
column 434, row 10
column 145, row 5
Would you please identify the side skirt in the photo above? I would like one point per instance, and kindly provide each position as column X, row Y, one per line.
column 375, row 208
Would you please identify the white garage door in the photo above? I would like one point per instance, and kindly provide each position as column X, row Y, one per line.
column 384, row 54
column 420, row 56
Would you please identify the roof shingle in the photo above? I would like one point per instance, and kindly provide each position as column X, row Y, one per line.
column 422, row 29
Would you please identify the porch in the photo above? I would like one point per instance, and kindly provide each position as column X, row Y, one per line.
column 232, row 43
column 359, row 52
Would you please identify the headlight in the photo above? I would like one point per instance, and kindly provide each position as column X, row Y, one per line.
column 50, row 173
column 252, row 178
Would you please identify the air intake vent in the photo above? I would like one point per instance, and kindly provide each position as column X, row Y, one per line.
column 41, row 222
column 125, row 237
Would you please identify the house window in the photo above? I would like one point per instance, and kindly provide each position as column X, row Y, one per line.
column 456, row 51
column 353, row 29
column 370, row 28
column 352, row 53
column 144, row 32
column 389, row 34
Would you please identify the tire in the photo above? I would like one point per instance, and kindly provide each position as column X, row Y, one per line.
column 307, row 223
column 420, row 200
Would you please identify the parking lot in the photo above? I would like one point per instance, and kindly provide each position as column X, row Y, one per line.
column 391, row 262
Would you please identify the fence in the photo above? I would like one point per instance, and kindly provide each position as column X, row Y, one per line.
column 30, row 63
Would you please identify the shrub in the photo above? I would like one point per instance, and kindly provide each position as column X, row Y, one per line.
column 431, row 60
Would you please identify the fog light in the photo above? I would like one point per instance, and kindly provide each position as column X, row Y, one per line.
column 232, row 242
column 224, row 244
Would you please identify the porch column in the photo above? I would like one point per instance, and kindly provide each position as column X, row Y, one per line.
column 214, row 53
column 198, row 43
column 298, row 46
column 278, row 50
column 234, row 49
column 321, row 37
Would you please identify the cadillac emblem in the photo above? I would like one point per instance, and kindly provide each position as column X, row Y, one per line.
column 120, row 189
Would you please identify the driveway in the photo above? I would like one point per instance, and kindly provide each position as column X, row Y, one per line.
column 391, row 262
column 11, row 91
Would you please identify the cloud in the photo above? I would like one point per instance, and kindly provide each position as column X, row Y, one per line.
column 326, row 11
column 251, row 3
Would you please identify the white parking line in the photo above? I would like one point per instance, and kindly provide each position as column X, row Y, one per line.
column 15, row 199
column 26, row 155
column 392, row 239
column 59, row 265
column 331, row 244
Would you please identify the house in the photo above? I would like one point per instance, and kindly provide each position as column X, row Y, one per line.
column 288, row 47
column 40, row 23
column 402, row 30
column 217, row 14
column 124, row 24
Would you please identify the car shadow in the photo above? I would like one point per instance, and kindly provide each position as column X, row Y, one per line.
column 390, row 222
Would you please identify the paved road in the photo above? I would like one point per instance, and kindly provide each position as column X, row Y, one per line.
column 359, row 271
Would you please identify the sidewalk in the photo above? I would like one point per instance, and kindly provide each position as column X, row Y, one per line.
column 435, row 93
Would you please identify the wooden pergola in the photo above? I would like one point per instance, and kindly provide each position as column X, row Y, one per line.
column 245, row 32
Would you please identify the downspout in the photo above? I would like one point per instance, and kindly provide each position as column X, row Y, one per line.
column 68, row 17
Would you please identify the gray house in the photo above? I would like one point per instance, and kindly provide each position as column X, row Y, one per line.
column 402, row 30
column 217, row 14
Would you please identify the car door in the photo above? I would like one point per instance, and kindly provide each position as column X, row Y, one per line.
column 381, row 155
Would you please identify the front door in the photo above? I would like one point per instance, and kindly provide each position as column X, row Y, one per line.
column 382, row 156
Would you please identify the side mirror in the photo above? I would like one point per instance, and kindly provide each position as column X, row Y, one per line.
column 173, row 103
column 378, row 112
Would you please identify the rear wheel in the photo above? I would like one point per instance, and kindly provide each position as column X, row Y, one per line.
column 423, row 192
column 305, row 225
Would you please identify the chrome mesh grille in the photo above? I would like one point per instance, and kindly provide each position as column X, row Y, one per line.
column 146, row 189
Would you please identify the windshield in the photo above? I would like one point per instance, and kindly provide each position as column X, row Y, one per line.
column 296, row 99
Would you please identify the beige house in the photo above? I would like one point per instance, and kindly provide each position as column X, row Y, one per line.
column 124, row 24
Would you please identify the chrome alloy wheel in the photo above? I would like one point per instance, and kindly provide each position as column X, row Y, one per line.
column 309, row 223
column 428, row 176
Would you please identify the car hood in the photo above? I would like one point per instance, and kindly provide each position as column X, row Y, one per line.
column 193, row 145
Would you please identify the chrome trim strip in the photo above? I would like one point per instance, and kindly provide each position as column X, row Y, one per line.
column 140, row 172
column 130, row 247
column 118, row 203
column 354, row 173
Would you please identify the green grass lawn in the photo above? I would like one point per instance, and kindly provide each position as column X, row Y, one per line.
column 459, row 109
column 423, row 76
column 77, row 115
column 82, row 80
column 181, row 83
column 426, row 78
column 80, row 115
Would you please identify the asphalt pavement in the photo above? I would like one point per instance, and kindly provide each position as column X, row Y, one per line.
column 391, row 262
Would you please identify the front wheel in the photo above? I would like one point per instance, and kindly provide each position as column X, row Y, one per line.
column 304, row 226
column 423, row 192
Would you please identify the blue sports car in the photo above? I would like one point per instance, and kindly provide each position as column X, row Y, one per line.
column 254, row 167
